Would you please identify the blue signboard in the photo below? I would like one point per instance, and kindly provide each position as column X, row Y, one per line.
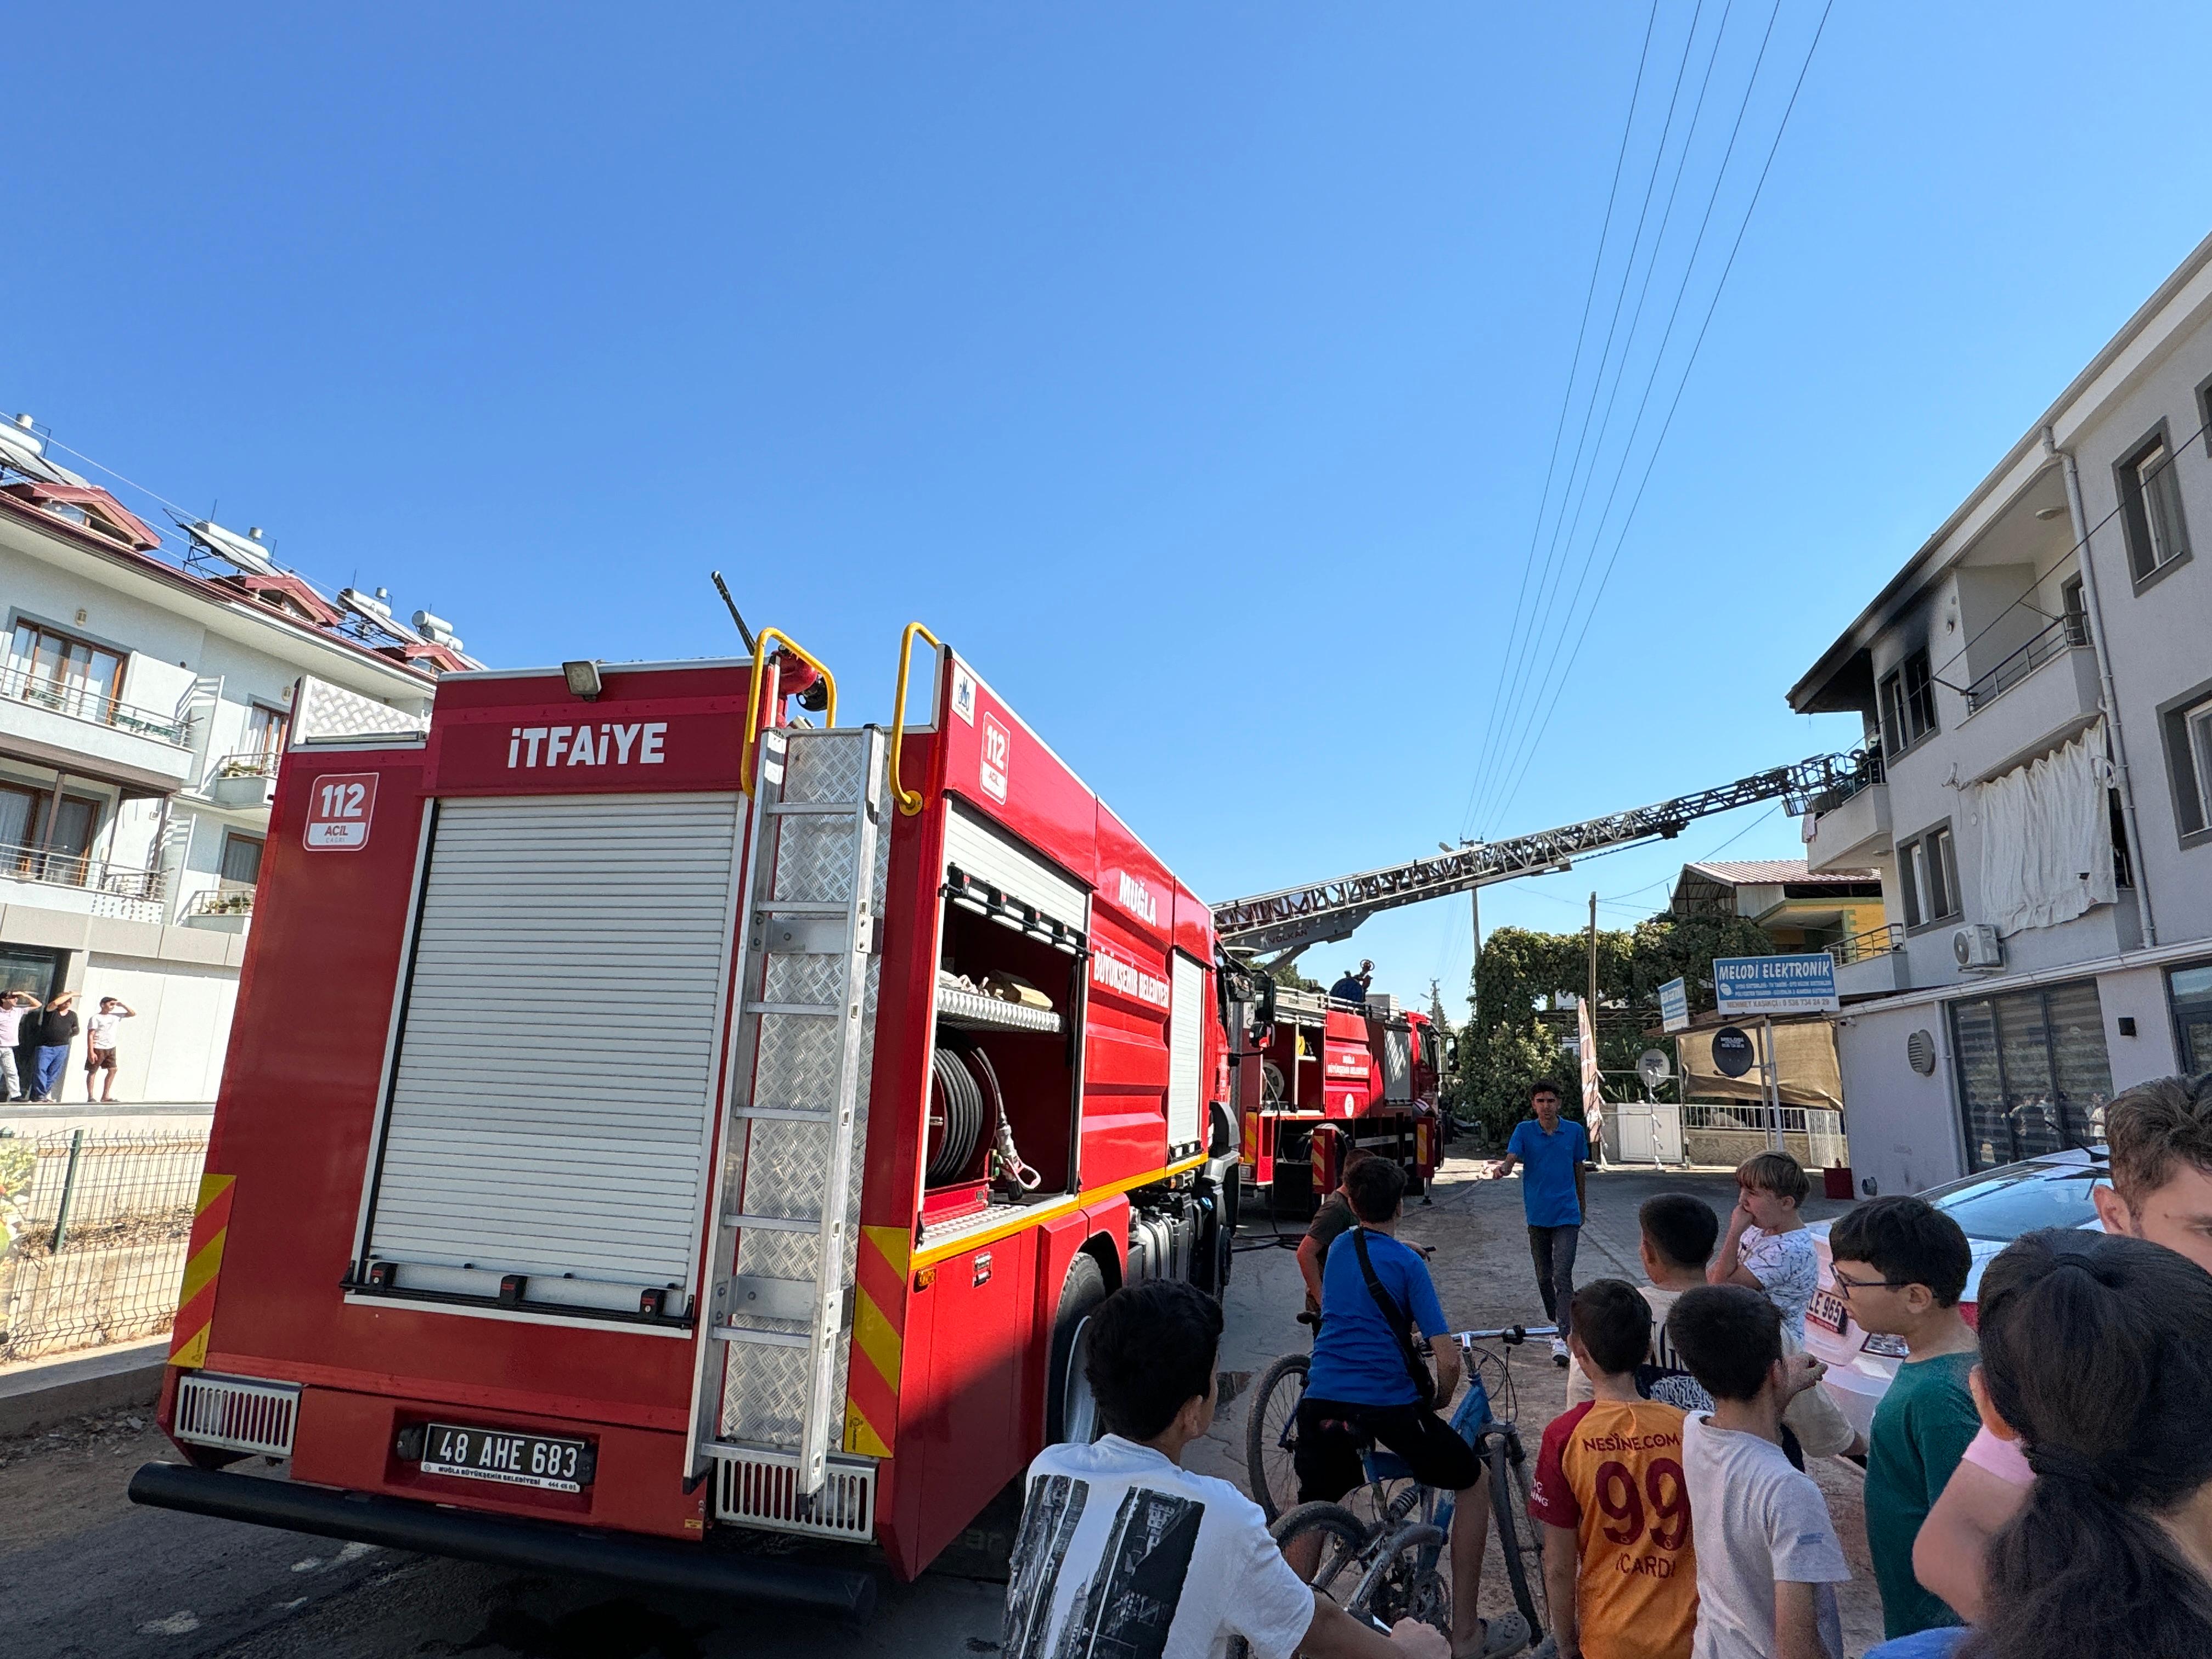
column 1795, row 984
column 1674, row 1006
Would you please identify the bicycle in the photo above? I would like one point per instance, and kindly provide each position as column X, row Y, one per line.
column 1396, row 1555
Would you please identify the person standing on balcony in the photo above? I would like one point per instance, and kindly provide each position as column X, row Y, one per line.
column 58, row 1028
column 99, row 1045
column 14, row 1007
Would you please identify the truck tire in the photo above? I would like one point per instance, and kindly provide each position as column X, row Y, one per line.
column 1070, row 1412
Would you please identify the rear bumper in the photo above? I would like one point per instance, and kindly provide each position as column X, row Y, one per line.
column 502, row 1541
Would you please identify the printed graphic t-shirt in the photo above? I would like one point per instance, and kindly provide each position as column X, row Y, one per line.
column 1760, row 1523
column 1122, row 1552
column 1357, row 1358
column 1922, row 1427
column 1787, row 1269
column 1547, row 1170
column 1612, row 1473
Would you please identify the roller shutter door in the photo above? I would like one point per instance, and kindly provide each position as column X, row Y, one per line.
column 989, row 854
column 552, row 1083
column 1186, row 1050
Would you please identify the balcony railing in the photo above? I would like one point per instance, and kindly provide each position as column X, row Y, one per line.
column 254, row 763
column 87, row 703
column 61, row 869
column 1864, row 947
column 212, row 903
column 1866, row 771
column 2061, row 635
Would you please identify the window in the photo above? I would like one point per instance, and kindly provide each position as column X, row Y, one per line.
column 70, row 676
column 1928, row 866
column 241, row 860
column 2150, row 509
column 264, row 730
column 1908, row 704
column 29, row 849
column 2187, row 726
column 2076, row 610
column 2190, row 991
column 2034, row 1074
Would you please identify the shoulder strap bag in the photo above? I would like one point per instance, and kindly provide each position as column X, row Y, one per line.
column 1400, row 1321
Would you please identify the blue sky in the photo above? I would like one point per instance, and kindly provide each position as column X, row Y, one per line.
column 1193, row 369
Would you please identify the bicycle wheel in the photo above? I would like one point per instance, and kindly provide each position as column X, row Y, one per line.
column 1409, row 1576
column 1343, row 1537
column 1517, row 1541
column 1271, row 1435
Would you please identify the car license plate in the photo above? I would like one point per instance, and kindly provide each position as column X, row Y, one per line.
column 512, row 1460
column 1827, row 1309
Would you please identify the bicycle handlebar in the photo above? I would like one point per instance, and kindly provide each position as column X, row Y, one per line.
column 1510, row 1335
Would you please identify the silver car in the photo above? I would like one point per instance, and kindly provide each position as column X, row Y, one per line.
column 1994, row 1208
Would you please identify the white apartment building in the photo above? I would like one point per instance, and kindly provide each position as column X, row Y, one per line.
column 149, row 685
column 2035, row 688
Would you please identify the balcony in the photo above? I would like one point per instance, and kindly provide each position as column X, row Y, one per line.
column 1850, row 823
column 2039, row 695
column 75, row 727
column 79, row 885
column 243, row 783
column 1872, row 961
column 226, row 910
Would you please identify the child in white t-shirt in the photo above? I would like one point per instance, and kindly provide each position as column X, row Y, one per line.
column 1766, row 1247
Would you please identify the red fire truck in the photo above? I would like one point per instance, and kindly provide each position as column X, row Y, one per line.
column 650, row 1115
column 1317, row 1075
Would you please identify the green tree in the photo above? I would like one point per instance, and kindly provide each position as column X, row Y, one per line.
column 1507, row 1047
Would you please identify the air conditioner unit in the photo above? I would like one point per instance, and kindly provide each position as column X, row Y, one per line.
column 1978, row 946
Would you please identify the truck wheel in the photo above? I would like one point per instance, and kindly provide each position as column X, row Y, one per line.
column 1071, row 1412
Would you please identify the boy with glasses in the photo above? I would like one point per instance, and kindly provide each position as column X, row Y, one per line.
column 1900, row 1265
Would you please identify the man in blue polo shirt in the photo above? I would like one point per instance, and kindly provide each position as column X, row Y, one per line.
column 1550, row 1152
column 1369, row 1382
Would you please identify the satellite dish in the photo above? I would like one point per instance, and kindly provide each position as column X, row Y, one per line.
column 1652, row 1066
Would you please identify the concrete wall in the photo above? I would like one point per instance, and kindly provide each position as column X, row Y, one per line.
column 1904, row 1127
column 173, row 1050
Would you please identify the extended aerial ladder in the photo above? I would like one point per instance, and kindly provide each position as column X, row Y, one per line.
column 1295, row 918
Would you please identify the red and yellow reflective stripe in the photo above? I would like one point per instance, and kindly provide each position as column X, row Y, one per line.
column 871, row 1380
column 188, row 1344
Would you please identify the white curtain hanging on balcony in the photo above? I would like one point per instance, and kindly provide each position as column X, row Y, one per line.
column 2047, row 837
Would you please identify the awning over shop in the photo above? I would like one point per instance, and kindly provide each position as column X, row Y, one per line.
column 1804, row 1053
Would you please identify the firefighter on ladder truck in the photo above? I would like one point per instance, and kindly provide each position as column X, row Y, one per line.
column 924, row 1059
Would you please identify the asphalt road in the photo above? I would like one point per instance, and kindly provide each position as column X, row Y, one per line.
column 91, row 1575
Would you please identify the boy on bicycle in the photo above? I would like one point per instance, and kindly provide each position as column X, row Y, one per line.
column 1368, row 1384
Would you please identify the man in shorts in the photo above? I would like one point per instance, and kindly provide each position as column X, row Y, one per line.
column 1328, row 1224
column 1368, row 1384
column 99, row 1046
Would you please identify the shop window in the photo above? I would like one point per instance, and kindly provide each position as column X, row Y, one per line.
column 2034, row 1075
column 2189, row 990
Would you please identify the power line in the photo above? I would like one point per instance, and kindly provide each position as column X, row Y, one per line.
column 1566, row 401
column 1563, row 544
column 1659, row 443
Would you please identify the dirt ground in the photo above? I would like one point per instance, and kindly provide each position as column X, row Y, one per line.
column 1485, row 1280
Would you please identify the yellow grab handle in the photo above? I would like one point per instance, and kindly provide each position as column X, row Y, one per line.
column 753, row 697
column 909, row 800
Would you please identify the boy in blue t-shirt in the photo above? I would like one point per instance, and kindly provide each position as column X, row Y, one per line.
column 1550, row 1152
column 1368, row 1383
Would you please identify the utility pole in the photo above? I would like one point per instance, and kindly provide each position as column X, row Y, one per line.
column 1473, row 973
column 1593, row 963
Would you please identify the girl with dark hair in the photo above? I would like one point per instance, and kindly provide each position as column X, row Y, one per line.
column 2095, row 1353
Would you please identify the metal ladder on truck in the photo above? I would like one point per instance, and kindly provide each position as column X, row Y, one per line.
column 771, row 1399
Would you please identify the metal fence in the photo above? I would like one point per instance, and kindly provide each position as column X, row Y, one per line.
column 101, row 1222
